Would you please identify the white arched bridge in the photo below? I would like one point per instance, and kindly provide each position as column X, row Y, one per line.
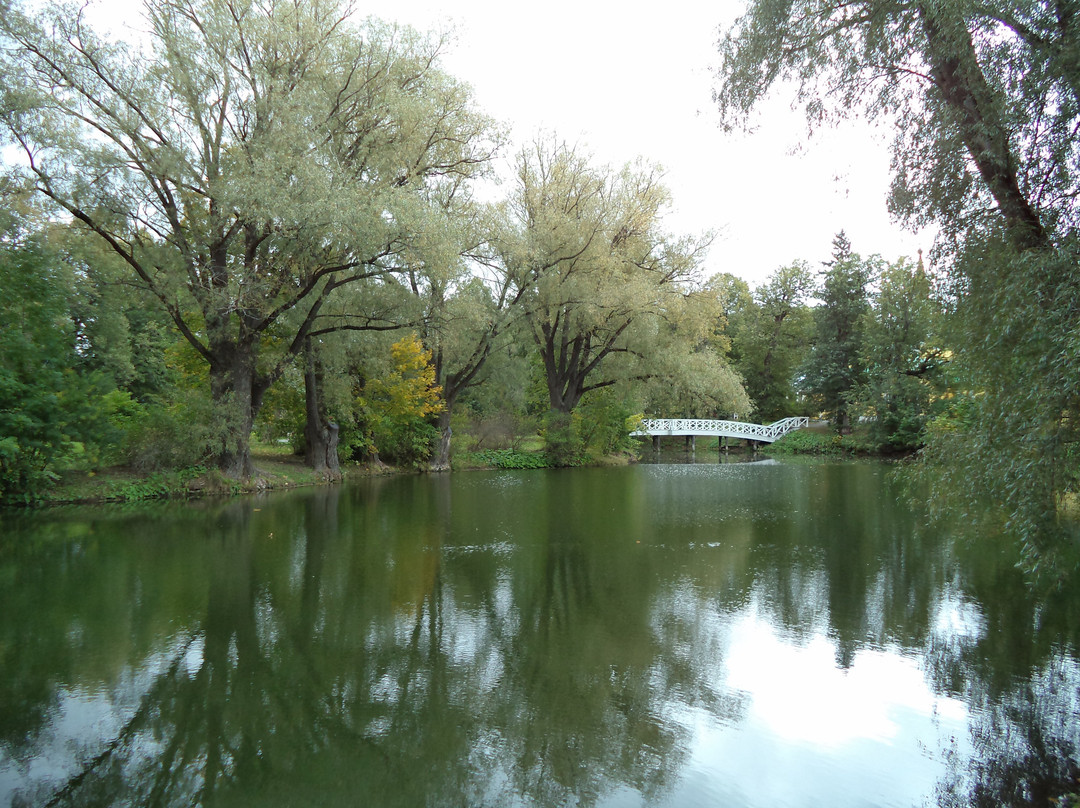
column 693, row 427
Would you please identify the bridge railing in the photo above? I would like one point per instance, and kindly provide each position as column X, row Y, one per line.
column 733, row 429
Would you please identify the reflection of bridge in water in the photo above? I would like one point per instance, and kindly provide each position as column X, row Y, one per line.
column 693, row 427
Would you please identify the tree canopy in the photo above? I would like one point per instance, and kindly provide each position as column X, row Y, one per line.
column 246, row 163
column 771, row 331
column 985, row 98
column 607, row 294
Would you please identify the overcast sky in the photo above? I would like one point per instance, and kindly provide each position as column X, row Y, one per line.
column 635, row 79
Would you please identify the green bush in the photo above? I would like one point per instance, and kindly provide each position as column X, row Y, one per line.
column 180, row 435
column 604, row 423
column 562, row 439
column 511, row 459
column 158, row 485
column 404, row 442
column 802, row 441
column 24, row 472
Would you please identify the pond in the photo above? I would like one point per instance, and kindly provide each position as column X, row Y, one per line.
column 771, row 634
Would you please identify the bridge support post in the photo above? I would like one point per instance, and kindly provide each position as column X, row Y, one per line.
column 656, row 443
column 690, row 444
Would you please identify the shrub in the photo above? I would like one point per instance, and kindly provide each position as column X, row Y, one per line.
column 802, row 441
column 511, row 459
column 562, row 439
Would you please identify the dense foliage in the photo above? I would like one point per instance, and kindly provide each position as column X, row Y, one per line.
column 254, row 196
column 985, row 101
column 833, row 369
column 253, row 254
column 43, row 402
column 249, row 164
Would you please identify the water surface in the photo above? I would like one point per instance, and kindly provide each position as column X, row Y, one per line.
column 664, row 635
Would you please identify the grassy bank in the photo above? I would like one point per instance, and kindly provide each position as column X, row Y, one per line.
column 278, row 469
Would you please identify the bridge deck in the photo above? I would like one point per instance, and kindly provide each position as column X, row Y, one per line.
column 767, row 433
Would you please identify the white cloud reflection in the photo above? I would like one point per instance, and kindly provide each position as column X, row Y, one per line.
column 798, row 692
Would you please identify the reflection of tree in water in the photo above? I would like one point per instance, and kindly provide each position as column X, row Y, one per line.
column 200, row 724
column 1025, row 746
column 877, row 580
column 580, row 710
column 362, row 657
column 890, row 581
column 334, row 664
column 171, row 748
column 1021, row 679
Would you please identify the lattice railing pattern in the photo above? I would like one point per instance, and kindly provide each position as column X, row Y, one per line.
column 731, row 429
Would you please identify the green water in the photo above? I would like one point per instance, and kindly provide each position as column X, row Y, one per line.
column 661, row 635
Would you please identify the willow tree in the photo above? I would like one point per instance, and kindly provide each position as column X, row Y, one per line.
column 463, row 308
column 247, row 160
column 985, row 98
column 606, row 294
column 463, row 322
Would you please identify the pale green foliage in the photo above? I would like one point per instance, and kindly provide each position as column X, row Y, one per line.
column 736, row 304
column 253, row 159
column 608, row 296
column 984, row 97
column 460, row 314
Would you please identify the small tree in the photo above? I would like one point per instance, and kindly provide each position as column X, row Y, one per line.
column 401, row 404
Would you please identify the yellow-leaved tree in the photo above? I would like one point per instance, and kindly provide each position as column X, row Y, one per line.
column 400, row 405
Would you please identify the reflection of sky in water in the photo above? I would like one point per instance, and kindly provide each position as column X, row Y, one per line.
column 83, row 718
column 812, row 733
column 716, row 627
column 800, row 695
column 806, row 731
column 796, row 728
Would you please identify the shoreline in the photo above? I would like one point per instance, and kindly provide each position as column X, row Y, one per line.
column 277, row 471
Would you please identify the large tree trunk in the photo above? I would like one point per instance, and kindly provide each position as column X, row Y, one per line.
column 564, row 386
column 235, row 400
column 320, row 433
column 956, row 71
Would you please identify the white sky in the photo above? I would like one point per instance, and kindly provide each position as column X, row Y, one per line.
column 635, row 79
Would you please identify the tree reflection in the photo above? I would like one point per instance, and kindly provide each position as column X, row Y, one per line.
column 386, row 643
column 585, row 674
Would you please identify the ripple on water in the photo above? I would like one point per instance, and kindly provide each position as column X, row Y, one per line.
column 498, row 548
